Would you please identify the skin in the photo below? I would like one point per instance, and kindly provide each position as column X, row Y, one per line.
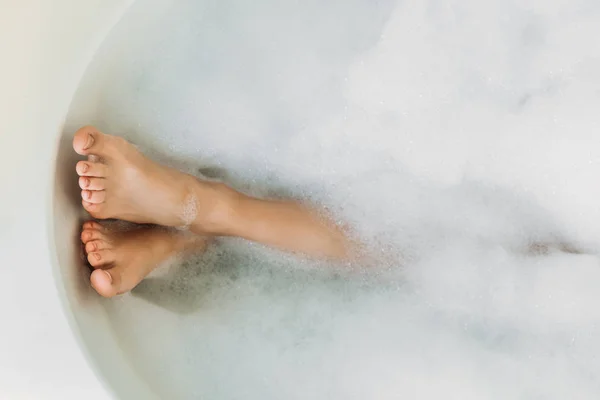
column 121, row 259
column 119, row 182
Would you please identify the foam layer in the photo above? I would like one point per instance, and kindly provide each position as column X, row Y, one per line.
column 457, row 138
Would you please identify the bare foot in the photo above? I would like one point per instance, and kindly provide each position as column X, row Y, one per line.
column 121, row 259
column 118, row 181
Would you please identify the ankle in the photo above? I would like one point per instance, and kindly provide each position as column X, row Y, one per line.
column 217, row 206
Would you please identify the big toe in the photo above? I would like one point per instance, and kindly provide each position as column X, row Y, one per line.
column 89, row 140
column 103, row 282
column 117, row 280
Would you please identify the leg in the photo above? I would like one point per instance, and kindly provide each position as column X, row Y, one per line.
column 286, row 225
column 119, row 182
column 121, row 259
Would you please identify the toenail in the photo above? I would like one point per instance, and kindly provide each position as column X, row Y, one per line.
column 109, row 276
column 84, row 168
column 97, row 255
column 86, row 182
column 89, row 142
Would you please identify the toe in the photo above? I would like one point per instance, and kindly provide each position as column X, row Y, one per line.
column 92, row 234
column 116, row 280
column 89, row 140
column 93, row 196
column 101, row 257
column 95, row 245
column 93, row 225
column 88, row 168
column 92, row 183
column 97, row 211
column 103, row 282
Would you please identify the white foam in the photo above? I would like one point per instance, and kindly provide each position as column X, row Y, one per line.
column 189, row 210
column 453, row 136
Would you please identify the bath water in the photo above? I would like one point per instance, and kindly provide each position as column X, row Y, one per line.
column 457, row 138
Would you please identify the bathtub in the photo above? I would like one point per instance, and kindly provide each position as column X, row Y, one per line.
column 531, row 176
